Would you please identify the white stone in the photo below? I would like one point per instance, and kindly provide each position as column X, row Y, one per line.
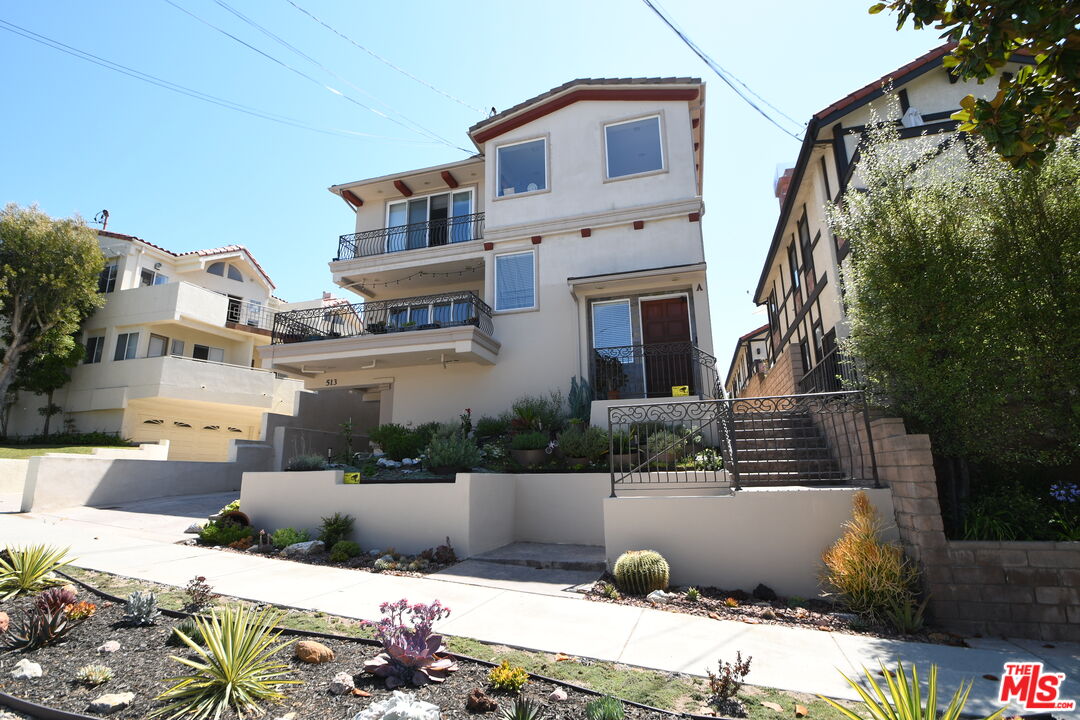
column 399, row 706
column 109, row 646
column 26, row 670
column 557, row 695
column 311, row 547
column 194, row 528
column 387, row 558
column 341, row 684
column 111, row 702
column 659, row 596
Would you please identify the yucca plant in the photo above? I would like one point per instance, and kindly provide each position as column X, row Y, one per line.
column 30, row 569
column 904, row 700
column 236, row 668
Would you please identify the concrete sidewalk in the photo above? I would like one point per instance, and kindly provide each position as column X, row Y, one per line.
column 140, row 541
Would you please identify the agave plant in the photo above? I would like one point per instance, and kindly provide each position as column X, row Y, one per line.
column 412, row 652
column 47, row 621
column 30, row 569
column 236, row 668
column 904, row 700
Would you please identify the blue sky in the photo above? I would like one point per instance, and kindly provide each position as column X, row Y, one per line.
column 185, row 174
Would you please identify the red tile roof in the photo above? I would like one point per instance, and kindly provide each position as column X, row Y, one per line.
column 202, row 253
column 752, row 333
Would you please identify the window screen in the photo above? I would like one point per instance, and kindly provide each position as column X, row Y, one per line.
column 611, row 324
column 515, row 281
column 633, row 147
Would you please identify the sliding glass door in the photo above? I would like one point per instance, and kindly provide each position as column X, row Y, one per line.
column 429, row 221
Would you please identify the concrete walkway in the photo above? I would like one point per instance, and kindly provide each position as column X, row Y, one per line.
column 140, row 541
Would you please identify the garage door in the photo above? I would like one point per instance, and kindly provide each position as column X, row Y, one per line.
column 188, row 438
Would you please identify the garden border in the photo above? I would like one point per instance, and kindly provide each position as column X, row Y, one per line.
column 44, row 712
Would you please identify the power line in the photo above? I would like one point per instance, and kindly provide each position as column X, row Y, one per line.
column 727, row 77
column 386, row 62
column 183, row 90
column 309, row 78
column 418, row 128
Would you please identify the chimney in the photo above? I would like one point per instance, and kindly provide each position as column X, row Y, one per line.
column 782, row 183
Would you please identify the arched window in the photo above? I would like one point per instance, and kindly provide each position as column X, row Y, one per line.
column 234, row 274
column 217, row 268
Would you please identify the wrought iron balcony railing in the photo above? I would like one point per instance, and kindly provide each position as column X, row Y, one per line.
column 252, row 314
column 432, row 233
column 835, row 372
column 426, row 312
column 654, row 370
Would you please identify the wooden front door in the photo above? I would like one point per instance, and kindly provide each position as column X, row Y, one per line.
column 665, row 326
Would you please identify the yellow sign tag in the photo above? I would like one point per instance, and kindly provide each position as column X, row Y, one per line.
column 680, row 391
column 352, row 478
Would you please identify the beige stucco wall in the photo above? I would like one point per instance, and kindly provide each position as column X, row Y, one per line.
column 13, row 475
column 771, row 536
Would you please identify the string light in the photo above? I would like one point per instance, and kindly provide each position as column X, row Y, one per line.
column 420, row 274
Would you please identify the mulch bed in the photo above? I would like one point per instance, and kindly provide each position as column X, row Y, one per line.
column 142, row 664
column 812, row 613
column 364, row 562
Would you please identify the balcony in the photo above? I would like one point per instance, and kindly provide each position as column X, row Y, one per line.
column 653, row 371
column 415, row 236
column 250, row 316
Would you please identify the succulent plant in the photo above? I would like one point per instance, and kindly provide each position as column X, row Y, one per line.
column 693, row 594
column 413, row 654
column 47, row 620
column 188, row 627
column 94, row 674
column 605, row 708
column 523, row 709
column 508, row 678
column 141, row 608
column 639, row 572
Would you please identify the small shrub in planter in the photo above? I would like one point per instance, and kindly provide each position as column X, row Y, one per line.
column 336, row 528
column 284, row 537
column 726, row 682
column 223, row 532
column 344, row 550
column 455, row 453
column 508, row 678
column 399, row 442
column 583, row 446
column 490, row 427
column 665, row 447
column 306, row 463
column 529, row 448
column 535, row 412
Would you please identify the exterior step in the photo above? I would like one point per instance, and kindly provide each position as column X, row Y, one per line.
column 548, row 556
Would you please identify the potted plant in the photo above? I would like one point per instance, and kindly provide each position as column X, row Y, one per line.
column 377, row 328
column 610, row 375
column 583, row 447
column 530, row 448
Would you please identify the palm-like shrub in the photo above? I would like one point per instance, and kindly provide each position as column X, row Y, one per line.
column 30, row 569
column 904, row 700
column 236, row 668
column 869, row 576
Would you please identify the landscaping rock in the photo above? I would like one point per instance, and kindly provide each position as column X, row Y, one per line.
column 310, row 651
column 311, row 547
column 764, row 592
column 730, row 708
column 342, row 683
column 26, row 670
column 399, row 706
column 478, row 702
column 71, row 589
column 110, row 646
column 769, row 614
column 557, row 695
column 194, row 528
column 374, row 552
column 5, row 622
column 658, row 597
column 111, row 702
column 846, row 617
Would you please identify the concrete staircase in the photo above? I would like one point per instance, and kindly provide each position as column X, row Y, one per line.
column 774, row 448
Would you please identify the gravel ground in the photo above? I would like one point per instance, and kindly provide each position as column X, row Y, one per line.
column 810, row 613
column 142, row 665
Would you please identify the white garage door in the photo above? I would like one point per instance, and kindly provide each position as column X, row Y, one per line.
column 188, row 438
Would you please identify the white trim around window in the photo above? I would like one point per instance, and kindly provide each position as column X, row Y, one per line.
column 499, row 193
column 517, row 273
column 662, row 147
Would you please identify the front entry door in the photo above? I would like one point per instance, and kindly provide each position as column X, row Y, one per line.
column 665, row 326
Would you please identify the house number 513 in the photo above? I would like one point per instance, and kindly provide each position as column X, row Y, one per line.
column 331, row 381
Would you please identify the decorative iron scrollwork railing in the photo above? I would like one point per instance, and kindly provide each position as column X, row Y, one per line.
column 653, row 370
column 425, row 312
column 433, row 233
column 821, row 438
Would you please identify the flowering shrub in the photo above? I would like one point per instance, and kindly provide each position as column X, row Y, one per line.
column 411, row 649
column 1066, row 517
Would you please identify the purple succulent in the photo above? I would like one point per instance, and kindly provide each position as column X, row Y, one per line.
column 411, row 650
column 1065, row 492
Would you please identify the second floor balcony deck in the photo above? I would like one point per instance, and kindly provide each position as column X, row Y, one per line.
column 414, row 236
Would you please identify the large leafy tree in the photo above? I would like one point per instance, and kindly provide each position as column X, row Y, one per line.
column 963, row 290
column 49, row 270
column 1032, row 108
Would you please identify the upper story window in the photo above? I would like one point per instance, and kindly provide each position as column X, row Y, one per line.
column 428, row 221
column 793, row 265
column 107, row 279
column 774, row 315
column 633, row 147
column 149, row 277
column 521, row 167
column 126, row 346
column 515, row 281
column 806, row 243
column 94, row 346
column 225, row 269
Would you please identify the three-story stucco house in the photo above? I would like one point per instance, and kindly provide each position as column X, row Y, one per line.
column 170, row 356
column 569, row 245
column 800, row 282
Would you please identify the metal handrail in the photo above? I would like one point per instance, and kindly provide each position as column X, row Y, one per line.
column 383, row 316
column 632, row 371
column 414, row 236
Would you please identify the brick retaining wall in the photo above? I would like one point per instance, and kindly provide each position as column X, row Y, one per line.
column 1016, row 589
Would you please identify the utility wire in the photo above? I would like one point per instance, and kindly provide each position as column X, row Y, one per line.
column 727, row 77
column 386, row 62
column 418, row 128
column 309, row 78
column 189, row 92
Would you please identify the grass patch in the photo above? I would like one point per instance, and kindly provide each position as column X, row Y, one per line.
column 753, row 696
column 21, row 452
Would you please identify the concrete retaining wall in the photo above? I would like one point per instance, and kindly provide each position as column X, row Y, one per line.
column 773, row 536
column 13, row 475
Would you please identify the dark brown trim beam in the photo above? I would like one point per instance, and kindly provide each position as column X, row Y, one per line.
column 449, row 179
column 352, row 198
column 403, row 188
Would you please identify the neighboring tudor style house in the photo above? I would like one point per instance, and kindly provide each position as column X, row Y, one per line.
column 570, row 245
column 170, row 355
column 800, row 280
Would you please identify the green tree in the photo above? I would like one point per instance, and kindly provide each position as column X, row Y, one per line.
column 45, row 374
column 49, row 270
column 963, row 289
column 1032, row 108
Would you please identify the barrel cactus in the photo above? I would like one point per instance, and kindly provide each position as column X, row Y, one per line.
column 639, row 572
